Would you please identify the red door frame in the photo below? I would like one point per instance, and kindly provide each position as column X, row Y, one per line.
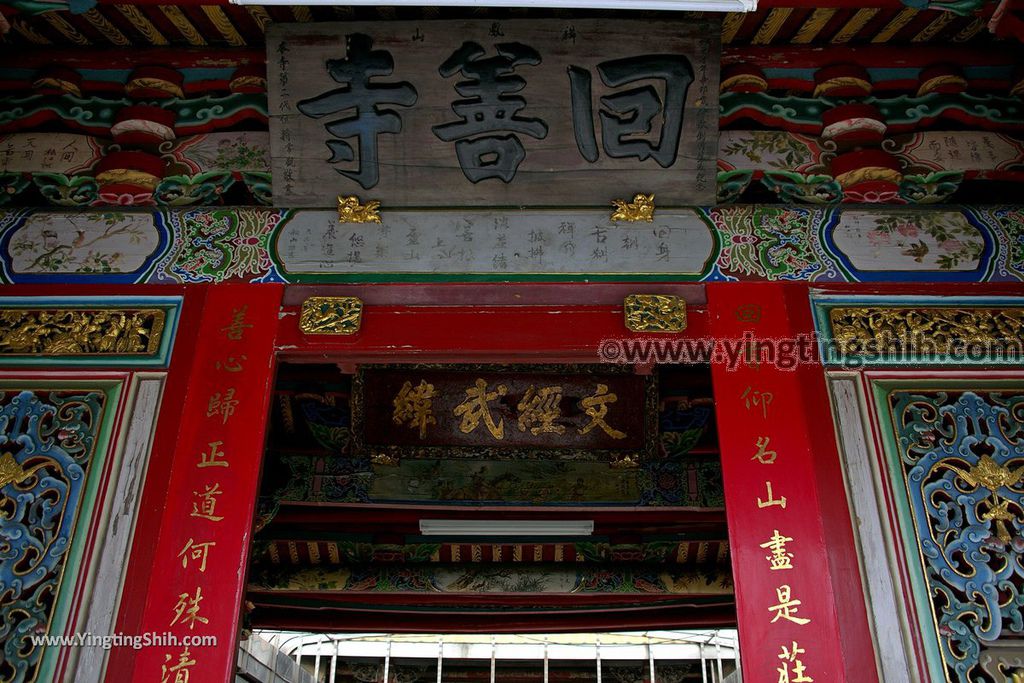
column 551, row 323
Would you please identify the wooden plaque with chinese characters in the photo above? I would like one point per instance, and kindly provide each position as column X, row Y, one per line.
column 565, row 412
column 494, row 113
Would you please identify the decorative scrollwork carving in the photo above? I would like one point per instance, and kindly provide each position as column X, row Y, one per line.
column 48, row 441
column 331, row 315
column 961, row 460
column 655, row 313
column 81, row 332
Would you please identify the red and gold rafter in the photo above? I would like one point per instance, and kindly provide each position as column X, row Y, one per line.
column 213, row 24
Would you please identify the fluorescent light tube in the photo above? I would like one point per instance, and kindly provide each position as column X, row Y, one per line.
column 506, row 527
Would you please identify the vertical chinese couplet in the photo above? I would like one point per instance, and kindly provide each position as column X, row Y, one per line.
column 205, row 535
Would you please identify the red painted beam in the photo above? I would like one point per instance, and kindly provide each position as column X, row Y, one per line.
column 527, row 334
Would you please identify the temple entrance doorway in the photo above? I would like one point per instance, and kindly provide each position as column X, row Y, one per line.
column 493, row 503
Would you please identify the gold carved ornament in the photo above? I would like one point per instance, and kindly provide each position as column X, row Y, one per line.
column 341, row 315
column 986, row 473
column 640, row 209
column 75, row 332
column 351, row 211
column 11, row 472
column 626, row 462
column 856, row 329
column 655, row 313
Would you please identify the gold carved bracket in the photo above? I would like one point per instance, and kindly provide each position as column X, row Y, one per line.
column 351, row 211
column 331, row 315
column 655, row 313
column 640, row 209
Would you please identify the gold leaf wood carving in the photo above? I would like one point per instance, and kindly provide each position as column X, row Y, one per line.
column 331, row 315
column 55, row 332
column 640, row 209
column 655, row 313
column 992, row 476
column 11, row 472
column 934, row 329
column 351, row 211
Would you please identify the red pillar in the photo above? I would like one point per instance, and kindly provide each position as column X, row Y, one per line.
column 800, row 602
column 193, row 581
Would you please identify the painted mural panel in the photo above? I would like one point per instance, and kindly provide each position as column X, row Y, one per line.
column 75, row 243
column 895, row 241
column 954, row 453
column 739, row 242
column 53, row 441
column 312, row 244
column 488, row 113
column 500, row 580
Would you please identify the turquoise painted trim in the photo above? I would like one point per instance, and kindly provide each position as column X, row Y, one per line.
column 171, row 306
column 84, row 515
column 821, row 304
column 881, row 389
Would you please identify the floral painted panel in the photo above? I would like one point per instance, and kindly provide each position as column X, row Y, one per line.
column 766, row 149
column 957, row 465
column 918, row 240
column 83, row 244
column 49, row 443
